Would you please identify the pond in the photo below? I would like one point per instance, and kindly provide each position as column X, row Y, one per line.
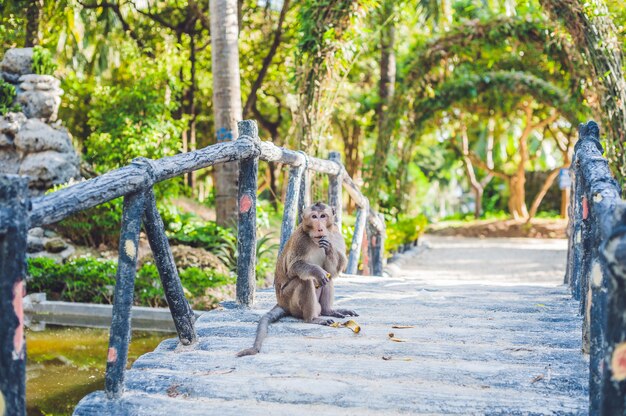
column 67, row 363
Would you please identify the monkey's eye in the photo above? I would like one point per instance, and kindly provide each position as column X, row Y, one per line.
column 323, row 216
column 314, row 216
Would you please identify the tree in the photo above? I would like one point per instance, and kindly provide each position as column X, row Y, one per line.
column 594, row 32
column 226, row 102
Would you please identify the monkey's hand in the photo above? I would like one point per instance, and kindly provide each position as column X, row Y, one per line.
column 326, row 245
column 321, row 277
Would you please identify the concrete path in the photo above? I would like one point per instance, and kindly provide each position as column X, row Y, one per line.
column 494, row 332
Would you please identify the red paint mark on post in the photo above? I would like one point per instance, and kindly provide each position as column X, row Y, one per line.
column 618, row 362
column 112, row 355
column 585, row 205
column 18, row 308
column 245, row 203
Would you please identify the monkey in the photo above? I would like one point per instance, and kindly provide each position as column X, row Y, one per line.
column 313, row 256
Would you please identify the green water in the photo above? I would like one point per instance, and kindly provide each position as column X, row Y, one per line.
column 67, row 363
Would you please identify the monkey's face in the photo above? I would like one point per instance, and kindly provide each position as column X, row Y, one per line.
column 318, row 220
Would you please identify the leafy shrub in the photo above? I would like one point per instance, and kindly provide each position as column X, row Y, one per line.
column 45, row 276
column 197, row 280
column 43, row 63
column 7, row 96
column 89, row 280
column 131, row 120
column 84, row 279
column 95, row 226
column 148, row 288
column 404, row 231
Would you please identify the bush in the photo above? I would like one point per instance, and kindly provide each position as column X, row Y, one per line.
column 88, row 279
column 197, row 280
column 95, row 226
column 404, row 231
column 43, row 63
column 148, row 288
column 84, row 279
column 7, row 96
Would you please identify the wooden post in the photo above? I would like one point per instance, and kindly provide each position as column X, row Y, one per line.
column 357, row 238
column 246, row 232
column 119, row 338
column 182, row 314
column 376, row 248
column 292, row 199
column 304, row 197
column 597, row 335
column 14, row 206
column 613, row 388
column 334, row 189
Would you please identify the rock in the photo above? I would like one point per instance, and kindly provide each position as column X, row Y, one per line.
column 17, row 62
column 5, row 141
column 11, row 123
column 50, row 234
column 57, row 257
column 185, row 256
column 39, row 96
column 49, row 168
column 55, row 245
column 37, row 136
column 34, row 244
column 40, row 82
column 9, row 160
column 36, row 232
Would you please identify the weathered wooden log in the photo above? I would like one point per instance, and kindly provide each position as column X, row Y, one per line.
column 376, row 246
column 357, row 238
column 323, row 166
column 292, row 197
column 612, row 391
column 14, row 205
column 359, row 199
column 119, row 337
column 182, row 314
column 304, row 196
column 598, row 217
column 246, row 233
column 272, row 153
column 54, row 207
column 335, row 198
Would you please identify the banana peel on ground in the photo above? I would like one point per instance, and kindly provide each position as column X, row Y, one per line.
column 348, row 324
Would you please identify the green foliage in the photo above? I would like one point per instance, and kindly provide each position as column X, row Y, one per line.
column 197, row 280
column 7, row 96
column 95, row 226
column 404, row 231
column 87, row 279
column 148, row 289
column 207, row 235
column 42, row 61
column 133, row 120
column 83, row 279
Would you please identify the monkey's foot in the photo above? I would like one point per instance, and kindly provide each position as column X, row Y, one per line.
column 340, row 313
column 248, row 351
column 321, row 321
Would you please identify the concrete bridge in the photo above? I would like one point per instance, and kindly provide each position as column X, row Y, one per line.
column 491, row 329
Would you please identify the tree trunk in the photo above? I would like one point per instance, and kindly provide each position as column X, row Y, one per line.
column 517, row 199
column 386, row 89
column 33, row 16
column 542, row 192
column 226, row 102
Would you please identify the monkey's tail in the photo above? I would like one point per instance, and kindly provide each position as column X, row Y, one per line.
column 261, row 331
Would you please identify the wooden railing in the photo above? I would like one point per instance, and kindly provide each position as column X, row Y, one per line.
column 596, row 270
column 134, row 182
